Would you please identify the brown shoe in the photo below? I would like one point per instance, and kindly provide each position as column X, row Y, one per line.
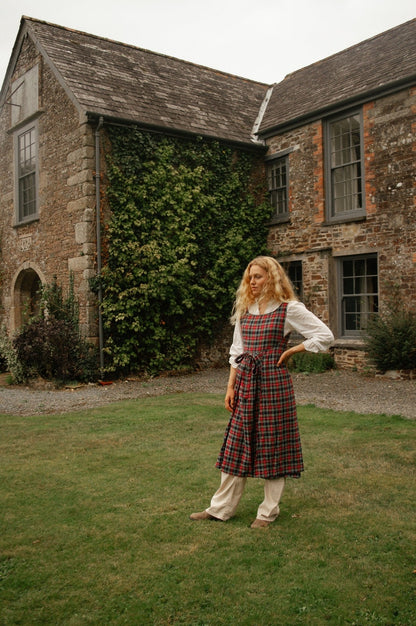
column 260, row 523
column 203, row 515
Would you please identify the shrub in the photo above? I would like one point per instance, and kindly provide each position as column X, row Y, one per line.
column 10, row 358
column 391, row 338
column 50, row 344
column 3, row 363
column 311, row 362
column 52, row 348
column 53, row 303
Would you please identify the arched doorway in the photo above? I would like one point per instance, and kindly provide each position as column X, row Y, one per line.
column 27, row 294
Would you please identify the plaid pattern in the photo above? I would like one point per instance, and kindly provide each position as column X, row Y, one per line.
column 262, row 436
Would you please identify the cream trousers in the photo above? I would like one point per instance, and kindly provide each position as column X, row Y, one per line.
column 225, row 500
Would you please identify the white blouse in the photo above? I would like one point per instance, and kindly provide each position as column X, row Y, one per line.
column 318, row 336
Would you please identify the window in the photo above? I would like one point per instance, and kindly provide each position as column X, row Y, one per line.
column 294, row 270
column 344, row 165
column 26, row 166
column 359, row 292
column 24, row 99
column 277, row 178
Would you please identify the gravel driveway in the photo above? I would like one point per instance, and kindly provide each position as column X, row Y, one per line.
column 335, row 389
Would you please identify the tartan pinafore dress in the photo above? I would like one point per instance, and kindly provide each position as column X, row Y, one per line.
column 262, row 436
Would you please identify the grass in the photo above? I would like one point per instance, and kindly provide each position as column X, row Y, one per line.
column 95, row 530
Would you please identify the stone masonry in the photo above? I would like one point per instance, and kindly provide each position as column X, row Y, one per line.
column 81, row 79
column 62, row 240
column 389, row 226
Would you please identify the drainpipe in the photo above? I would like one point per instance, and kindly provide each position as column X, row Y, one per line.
column 98, row 226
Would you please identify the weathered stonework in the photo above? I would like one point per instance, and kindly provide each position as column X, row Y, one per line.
column 389, row 226
column 62, row 238
column 176, row 96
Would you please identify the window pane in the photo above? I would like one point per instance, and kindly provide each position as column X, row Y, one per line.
column 277, row 180
column 348, row 285
column 352, row 305
column 372, row 266
column 348, row 268
column 351, row 322
column 352, row 310
column 372, row 284
column 359, row 292
column 294, row 271
column 26, row 147
column 27, row 196
column 280, row 201
column 359, row 267
column 27, row 151
column 359, row 284
column 345, row 160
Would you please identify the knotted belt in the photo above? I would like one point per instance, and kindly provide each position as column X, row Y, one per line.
column 254, row 361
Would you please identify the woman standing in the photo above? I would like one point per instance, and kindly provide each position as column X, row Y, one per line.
column 262, row 437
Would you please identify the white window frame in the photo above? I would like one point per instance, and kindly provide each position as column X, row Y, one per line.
column 30, row 154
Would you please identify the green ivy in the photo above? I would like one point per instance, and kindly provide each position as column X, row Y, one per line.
column 186, row 217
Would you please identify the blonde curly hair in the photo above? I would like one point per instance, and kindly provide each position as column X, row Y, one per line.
column 278, row 286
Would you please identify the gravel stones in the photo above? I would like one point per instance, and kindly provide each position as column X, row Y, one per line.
column 336, row 389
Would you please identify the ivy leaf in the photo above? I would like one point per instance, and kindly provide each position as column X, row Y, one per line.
column 186, row 217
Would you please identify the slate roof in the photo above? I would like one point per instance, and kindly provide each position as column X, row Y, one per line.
column 379, row 64
column 128, row 83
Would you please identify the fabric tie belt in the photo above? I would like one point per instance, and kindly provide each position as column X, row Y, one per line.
column 255, row 358
column 254, row 361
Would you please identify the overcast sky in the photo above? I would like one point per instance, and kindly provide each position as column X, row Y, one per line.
column 259, row 39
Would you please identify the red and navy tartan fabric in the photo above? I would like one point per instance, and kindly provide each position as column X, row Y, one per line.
column 262, row 436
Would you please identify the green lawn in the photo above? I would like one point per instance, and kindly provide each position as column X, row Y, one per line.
column 95, row 529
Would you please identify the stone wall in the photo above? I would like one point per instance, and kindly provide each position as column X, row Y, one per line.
column 389, row 228
column 351, row 357
column 61, row 239
column 217, row 353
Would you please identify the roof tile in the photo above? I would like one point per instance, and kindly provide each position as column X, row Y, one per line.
column 121, row 81
column 377, row 63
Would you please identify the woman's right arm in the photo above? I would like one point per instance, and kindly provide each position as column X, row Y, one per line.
column 229, row 396
column 235, row 350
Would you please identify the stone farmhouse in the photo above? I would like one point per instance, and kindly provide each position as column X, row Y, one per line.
column 337, row 138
